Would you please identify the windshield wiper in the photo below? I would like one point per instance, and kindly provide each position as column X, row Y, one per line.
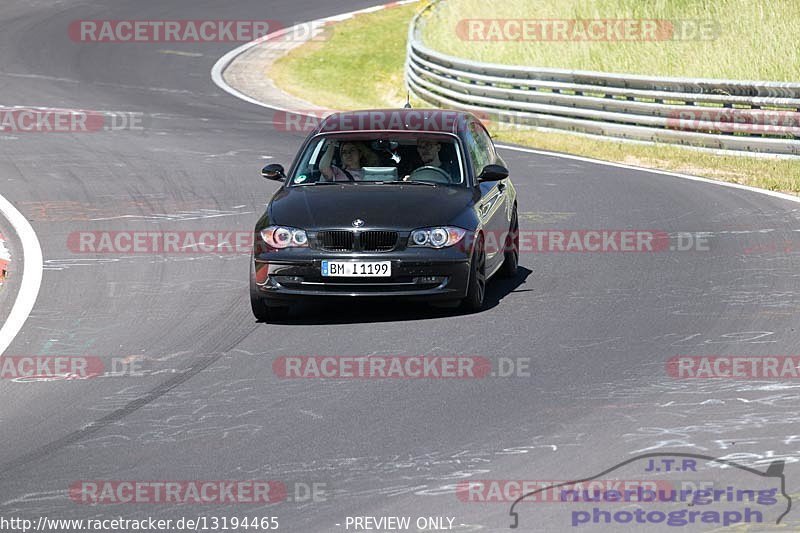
column 402, row 182
column 422, row 183
column 319, row 183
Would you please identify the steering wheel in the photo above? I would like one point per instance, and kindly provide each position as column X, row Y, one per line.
column 430, row 173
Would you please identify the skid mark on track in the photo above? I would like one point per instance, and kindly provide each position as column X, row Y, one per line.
column 64, row 264
column 215, row 348
column 702, row 339
column 155, row 208
column 544, row 217
column 200, row 413
column 180, row 287
column 104, row 84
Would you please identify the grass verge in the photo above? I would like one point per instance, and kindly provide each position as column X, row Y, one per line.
column 360, row 65
column 733, row 39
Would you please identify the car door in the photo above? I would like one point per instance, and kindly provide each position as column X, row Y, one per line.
column 493, row 205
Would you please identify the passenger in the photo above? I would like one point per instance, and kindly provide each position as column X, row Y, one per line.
column 355, row 156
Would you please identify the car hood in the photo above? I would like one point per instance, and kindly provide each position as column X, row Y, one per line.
column 379, row 206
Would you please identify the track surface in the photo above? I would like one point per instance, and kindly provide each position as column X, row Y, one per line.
column 597, row 327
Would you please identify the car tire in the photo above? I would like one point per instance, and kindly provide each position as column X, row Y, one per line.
column 476, row 286
column 511, row 249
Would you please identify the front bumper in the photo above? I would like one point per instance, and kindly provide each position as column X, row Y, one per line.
column 416, row 274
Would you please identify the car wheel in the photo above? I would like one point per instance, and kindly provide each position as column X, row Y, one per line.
column 477, row 280
column 511, row 253
column 265, row 313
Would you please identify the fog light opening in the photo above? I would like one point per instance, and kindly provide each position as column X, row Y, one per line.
column 427, row 280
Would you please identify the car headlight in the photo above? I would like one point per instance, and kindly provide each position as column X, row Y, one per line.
column 284, row 237
column 438, row 237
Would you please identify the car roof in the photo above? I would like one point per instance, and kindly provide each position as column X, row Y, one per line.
column 406, row 119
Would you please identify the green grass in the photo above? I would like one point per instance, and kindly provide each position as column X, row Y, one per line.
column 361, row 66
column 753, row 39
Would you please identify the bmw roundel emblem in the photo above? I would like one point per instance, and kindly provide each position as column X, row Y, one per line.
column 357, row 223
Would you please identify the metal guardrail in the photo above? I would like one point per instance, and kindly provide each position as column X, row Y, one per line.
column 749, row 116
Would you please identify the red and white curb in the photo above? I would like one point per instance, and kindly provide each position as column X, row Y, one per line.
column 5, row 259
column 219, row 67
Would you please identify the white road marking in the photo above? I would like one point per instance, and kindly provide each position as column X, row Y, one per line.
column 774, row 194
column 31, row 274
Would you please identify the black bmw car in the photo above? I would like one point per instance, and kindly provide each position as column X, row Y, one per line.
column 403, row 203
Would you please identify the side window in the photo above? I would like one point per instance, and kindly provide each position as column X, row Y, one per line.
column 474, row 151
column 484, row 143
column 480, row 147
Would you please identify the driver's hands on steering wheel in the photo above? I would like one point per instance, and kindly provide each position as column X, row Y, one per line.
column 439, row 174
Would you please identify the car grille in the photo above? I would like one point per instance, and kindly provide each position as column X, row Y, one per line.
column 335, row 241
column 368, row 241
column 378, row 241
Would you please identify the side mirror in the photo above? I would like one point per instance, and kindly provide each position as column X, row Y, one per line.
column 273, row 172
column 493, row 173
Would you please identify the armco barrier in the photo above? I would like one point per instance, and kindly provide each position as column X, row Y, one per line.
column 748, row 116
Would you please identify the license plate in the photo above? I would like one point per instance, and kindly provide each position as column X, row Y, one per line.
column 357, row 269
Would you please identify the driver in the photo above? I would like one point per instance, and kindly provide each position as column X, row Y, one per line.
column 428, row 151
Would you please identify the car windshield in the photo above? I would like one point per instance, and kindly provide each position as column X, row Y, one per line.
column 415, row 159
